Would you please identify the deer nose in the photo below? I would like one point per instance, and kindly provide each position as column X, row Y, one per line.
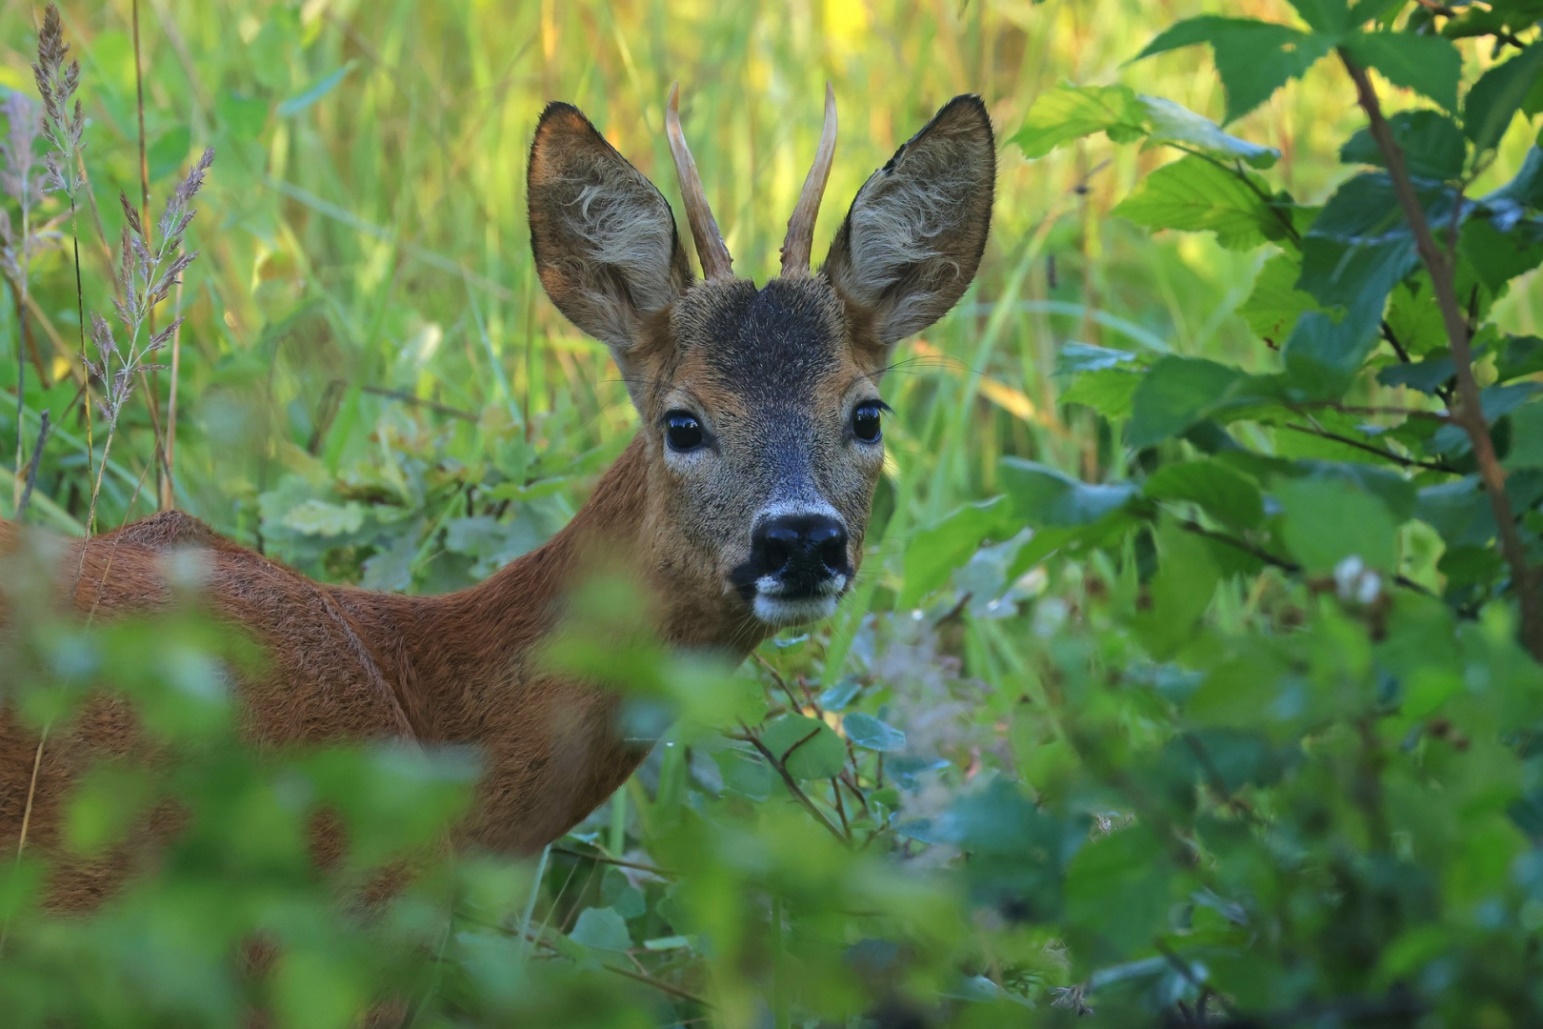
column 802, row 550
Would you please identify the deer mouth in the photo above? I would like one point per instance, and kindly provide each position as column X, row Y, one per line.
column 775, row 601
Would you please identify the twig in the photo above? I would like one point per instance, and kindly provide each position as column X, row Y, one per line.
column 1469, row 413
column 602, row 859
column 1386, row 455
column 1289, row 567
column 792, row 783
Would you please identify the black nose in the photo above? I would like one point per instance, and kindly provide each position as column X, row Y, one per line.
column 802, row 550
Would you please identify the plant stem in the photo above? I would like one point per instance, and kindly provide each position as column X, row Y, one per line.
column 1469, row 412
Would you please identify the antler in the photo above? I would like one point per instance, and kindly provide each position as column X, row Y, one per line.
column 716, row 262
column 800, row 239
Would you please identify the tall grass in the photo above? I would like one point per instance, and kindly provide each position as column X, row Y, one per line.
column 368, row 268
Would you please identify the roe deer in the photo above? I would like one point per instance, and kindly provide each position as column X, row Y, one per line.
column 739, row 507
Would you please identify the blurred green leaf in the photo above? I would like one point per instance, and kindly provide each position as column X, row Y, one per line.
column 1324, row 523
column 1426, row 64
column 1178, row 392
column 871, row 734
column 1223, row 493
column 807, row 747
column 1498, row 94
column 1253, row 58
column 1045, row 496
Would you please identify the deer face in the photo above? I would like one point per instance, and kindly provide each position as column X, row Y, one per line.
column 761, row 412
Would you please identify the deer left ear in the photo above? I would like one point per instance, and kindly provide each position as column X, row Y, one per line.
column 913, row 239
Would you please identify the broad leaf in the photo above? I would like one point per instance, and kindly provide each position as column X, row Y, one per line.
column 1175, row 394
column 1169, row 122
column 1498, row 95
column 1046, row 497
column 1227, row 495
column 870, row 733
column 601, row 929
column 1072, row 112
column 1275, row 304
column 1432, row 145
column 807, row 747
column 1253, row 58
column 1324, row 523
column 1195, row 195
column 1429, row 65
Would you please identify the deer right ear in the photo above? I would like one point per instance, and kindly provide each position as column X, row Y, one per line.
column 914, row 237
column 603, row 236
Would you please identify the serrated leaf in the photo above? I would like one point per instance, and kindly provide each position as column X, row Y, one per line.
column 1360, row 246
column 1432, row 145
column 1427, row 375
column 1109, row 391
column 601, row 929
column 320, row 518
column 1069, row 112
column 808, row 748
column 1275, row 304
column 934, row 552
column 1177, row 393
column 1329, row 16
column 1225, row 494
column 1046, row 497
column 1075, row 358
column 1323, row 523
column 1194, row 195
column 1494, row 100
column 1169, row 122
column 1429, row 65
column 1253, row 58
column 870, row 733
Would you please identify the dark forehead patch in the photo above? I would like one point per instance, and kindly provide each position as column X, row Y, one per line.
column 777, row 341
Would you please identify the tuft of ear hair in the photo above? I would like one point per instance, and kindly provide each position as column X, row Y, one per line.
column 912, row 241
column 603, row 236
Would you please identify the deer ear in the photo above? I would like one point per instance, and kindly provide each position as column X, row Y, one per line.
column 603, row 236
column 914, row 236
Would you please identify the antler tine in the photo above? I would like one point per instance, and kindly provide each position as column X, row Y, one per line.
column 800, row 239
column 716, row 262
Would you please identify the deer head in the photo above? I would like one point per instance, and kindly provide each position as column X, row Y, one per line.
column 760, row 406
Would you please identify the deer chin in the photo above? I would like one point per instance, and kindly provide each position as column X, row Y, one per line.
column 774, row 605
column 785, row 611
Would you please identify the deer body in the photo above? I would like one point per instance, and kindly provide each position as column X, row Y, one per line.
column 740, row 506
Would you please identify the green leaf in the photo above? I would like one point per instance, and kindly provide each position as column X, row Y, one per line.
column 1429, row 65
column 1175, row 394
column 1069, row 112
column 1359, row 246
column 1275, row 304
column 1195, row 195
column 1323, row 523
column 320, row 518
column 1495, row 256
column 1046, row 497
column 1225, row 494
column 1432, row 144
column 870, row 733
column 295, row 104
column 934, row 552
column 1075, row 358
column 744, row 773
column 601, row 929
column 1327, row 16
column 1527, row 438
column 1109, row 391
column 1253, row 58
column 1179, row 593
column 807, row 747
column 1498, row 95
column 1427, row 376
column 1169, row 122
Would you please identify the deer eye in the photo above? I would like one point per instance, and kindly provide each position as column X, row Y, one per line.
column 682, row 431
column 866, row 421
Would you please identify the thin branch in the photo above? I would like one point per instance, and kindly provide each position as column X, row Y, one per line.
column 1289, row 567
column 1469, row 413
column 1386, row 455
column 792, row 783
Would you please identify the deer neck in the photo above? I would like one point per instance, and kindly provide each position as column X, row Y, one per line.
column 471, row 668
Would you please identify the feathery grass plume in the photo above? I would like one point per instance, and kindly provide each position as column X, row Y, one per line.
column 63, row 124
column 147, row 273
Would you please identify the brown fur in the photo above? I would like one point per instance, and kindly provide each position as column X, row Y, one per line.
column 772, row 373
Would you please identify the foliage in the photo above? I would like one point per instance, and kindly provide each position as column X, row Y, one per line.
column 1222, row 712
